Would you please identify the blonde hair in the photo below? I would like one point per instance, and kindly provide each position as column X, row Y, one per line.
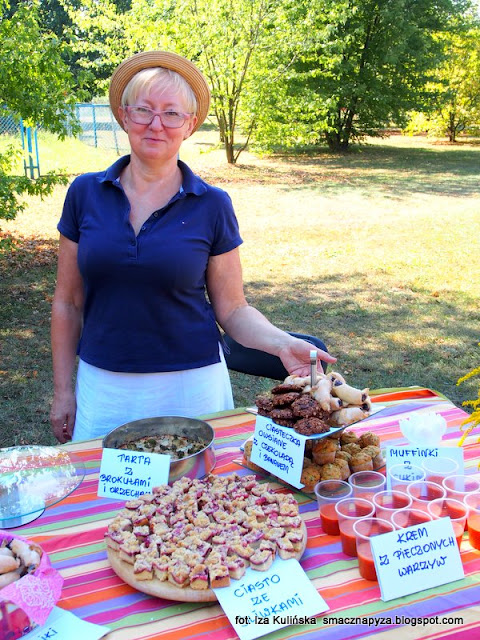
column 167, row 79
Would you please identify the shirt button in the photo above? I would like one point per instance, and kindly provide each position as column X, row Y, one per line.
column 155, row 215
column 144, row 227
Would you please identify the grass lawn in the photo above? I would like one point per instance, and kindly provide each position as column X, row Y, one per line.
column 376, row 251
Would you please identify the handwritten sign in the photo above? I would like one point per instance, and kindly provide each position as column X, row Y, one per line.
column 125, row 475
column 278, row 450
column 412, row 455
column 416, row 558
column 63, row 625
column 264, row 601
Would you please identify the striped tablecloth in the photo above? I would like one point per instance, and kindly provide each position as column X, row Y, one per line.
column 72, row 534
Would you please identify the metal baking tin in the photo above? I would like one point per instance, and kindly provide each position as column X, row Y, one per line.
column 197, row 465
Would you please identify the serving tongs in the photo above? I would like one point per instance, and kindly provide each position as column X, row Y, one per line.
column 313, row 367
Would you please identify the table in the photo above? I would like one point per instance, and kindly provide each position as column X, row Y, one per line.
column 71, row 532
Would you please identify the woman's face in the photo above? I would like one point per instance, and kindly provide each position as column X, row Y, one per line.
column 154, row 142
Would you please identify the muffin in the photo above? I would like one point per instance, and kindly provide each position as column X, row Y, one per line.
column 247, row 452
column 323, row 451
column 352, row 448
column 331, row 471
column 368, row 438
column 376, row 455
column 347, row 437
column 361, row 462
column 343, row 466
column 343, row 455
column 310, row 476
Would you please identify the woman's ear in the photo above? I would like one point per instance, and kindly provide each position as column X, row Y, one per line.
column 191, row 124
column 123, row 117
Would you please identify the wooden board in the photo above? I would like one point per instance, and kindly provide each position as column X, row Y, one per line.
column 165, row 589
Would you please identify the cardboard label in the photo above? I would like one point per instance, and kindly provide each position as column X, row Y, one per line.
column 63, row 625
column 416, row 558
column 125, row 475
column 263, row 601
column 278, row 450
column 413, row 455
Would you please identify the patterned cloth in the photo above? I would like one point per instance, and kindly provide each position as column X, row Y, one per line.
column 72, row 534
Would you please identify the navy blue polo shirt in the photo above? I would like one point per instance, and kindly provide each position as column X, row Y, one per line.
column 146, row 308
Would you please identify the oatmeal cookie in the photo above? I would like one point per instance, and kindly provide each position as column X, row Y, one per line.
column 284, row 399
column 264, row 402
column 285, row 413
column 287, row 388
column 310, row 426
column 305, row 406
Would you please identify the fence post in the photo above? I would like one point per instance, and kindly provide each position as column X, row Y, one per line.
column 27, row 133
column 94, row 122
column 114, row 131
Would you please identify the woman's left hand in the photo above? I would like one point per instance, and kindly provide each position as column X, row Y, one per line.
column 295, row 356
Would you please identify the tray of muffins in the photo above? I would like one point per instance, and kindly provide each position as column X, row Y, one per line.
column 322, row 412
column 331, row 457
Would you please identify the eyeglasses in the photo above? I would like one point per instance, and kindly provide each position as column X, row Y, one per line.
column 169, row 119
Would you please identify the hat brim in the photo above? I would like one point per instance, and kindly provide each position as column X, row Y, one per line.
column 144, row 60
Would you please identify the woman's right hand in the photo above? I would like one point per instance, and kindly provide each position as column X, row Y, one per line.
column 62, row 416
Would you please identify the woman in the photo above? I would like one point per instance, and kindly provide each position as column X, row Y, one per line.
column 141, row 244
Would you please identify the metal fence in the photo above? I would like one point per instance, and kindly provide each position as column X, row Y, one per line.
column 99, row 127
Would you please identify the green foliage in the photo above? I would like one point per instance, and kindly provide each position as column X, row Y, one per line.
column 98, row 38
column 474, row 419
column 34, row 84
column 457, row 85
column 354, row 68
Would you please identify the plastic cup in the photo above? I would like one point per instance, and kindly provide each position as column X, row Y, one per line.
column 422, row 492
column 410, row 517
column 472, row 502
column 401, row 475
column 367, row 483
column 437, row 469
column 349, row 510
column 329, row 492
column 364, row 530
column 388, row 502
column 458, row 486
column 450, row 508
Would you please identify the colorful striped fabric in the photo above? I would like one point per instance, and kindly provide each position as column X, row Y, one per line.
column 72, row 534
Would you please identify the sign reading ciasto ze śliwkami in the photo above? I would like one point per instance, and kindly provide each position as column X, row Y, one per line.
column 278, row 450
column 262, row 601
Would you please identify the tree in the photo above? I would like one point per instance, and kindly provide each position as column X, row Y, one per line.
column 359, row 66
column 225, row 38
column 457, row 86
column 97, row 37
column 36, row 85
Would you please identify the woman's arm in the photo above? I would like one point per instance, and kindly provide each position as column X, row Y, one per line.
column 247, row 325
column 67, row 309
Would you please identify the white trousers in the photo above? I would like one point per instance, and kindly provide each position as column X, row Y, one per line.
column 108, row 399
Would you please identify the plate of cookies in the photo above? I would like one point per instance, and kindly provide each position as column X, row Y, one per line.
column 29, row 586
column 317, row 410
column 184, row 540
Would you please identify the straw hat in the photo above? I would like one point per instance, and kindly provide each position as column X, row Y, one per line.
column 128, row 68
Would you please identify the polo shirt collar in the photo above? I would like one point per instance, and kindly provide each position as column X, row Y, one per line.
column 191, row 183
